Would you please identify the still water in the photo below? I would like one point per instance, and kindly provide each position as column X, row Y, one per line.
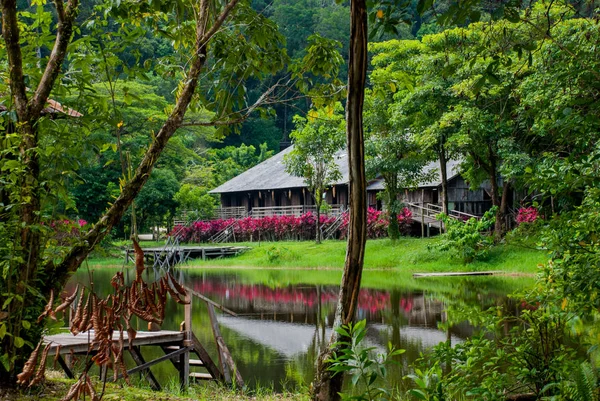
column 285, row 316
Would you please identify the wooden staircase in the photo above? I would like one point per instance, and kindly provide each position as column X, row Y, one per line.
column 427, row 215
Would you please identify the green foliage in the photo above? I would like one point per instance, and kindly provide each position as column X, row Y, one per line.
column 537, row 355
column 317, row 140
column 358, row 361
column 429, row 384
column 467, row 239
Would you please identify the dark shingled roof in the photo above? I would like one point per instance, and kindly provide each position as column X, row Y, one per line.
column 271, row 174
column 452, row 170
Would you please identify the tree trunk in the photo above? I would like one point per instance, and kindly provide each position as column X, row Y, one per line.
column 327, row 386
column 391, row 188
column 318, row 203
column 444, row 177
column 500, row 227
column 51, row 275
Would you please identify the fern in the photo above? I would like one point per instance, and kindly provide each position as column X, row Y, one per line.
column 585, row 383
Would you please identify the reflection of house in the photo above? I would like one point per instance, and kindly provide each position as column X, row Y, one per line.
column 268, row 189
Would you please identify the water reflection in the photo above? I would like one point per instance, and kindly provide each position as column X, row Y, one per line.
column 283, row 323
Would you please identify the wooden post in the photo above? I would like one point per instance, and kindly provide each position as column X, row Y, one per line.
column 184, row 359
column 422, row 224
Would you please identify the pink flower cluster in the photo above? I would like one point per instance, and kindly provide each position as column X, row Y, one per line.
column 65, row 230
column 527, row 215
column 279, row 228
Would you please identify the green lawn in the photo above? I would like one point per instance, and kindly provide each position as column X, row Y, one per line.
column 406, row 255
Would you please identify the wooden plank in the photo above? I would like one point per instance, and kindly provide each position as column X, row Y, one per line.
column 208, row 362
column 65, row 367
column 136, row 354
column 196, row 362
column 217, row 334
column 155, row 361
column 201, row 376
column 210, row 301
column 224, row 354
column 81, row 342
column 451, row 274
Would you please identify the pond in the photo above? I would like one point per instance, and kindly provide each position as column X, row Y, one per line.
column 285, row 316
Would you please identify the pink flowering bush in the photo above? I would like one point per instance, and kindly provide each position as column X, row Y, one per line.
column 65, row 231
column 527, row 215
column 281, row 228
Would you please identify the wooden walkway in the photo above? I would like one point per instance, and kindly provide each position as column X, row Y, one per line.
column 176, row 345
column 451, row 274
column 179, row 254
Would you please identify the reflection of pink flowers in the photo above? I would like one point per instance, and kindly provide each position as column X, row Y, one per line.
column 527, row 215
column 369, row 300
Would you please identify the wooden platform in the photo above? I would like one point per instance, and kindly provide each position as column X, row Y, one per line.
column 157, row 256
column 451, row 274
column 80, row 343
column 176, row 345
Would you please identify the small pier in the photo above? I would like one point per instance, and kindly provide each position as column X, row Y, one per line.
column 178, row 347
column 461, row 274
column 171, row 255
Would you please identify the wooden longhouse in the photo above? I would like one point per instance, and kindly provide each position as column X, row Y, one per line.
column 267, row 189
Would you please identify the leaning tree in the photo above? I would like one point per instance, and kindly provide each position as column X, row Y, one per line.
column 219, row 45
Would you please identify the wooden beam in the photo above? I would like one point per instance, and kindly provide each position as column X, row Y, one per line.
column 136, row 354
column 155, row 361
column 210, row 301
column 209, row 365
column 217, row 334
column 65, row 367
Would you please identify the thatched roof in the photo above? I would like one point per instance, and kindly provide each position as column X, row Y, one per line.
column 271, row 174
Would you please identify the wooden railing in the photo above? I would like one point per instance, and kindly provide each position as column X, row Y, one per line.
column 299, row 210
column 232, row 212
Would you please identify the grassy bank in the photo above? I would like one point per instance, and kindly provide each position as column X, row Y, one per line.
column 55, row 389
column 405, row 255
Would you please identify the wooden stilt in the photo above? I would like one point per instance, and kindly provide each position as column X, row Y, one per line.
column 136, row 354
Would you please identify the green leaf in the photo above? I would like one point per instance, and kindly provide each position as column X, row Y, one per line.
column 7, row 302
column 26, row 324
column 5, row 361
column 19, row 342
column 2, row 331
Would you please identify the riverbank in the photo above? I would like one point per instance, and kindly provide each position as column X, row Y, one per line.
column 54, row 389
column 408, row 255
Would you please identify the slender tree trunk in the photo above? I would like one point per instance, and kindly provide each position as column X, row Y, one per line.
column 500, row 227
column 318, row 202
column 444, row 177
column 51, row 275
column 495, row 194
column 391, row 187
column 327, row 386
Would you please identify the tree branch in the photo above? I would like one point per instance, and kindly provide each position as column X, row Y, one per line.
column 261, row 100
column 10, row 32
column 66, row 17
column 59, row 273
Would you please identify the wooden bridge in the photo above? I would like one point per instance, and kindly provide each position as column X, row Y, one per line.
column 177, row 346
column 170, row 255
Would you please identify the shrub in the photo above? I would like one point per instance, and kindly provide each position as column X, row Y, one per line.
column 466, row 239
column 527, row 215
